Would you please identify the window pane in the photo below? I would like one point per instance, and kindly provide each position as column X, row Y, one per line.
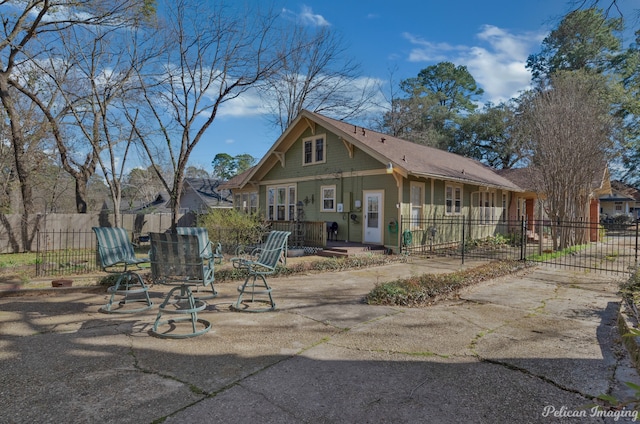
column 328, row 198
column 416, row 196
column 372, row 212
column 292, row 203
column 308, row 152
column 448, row 194
column 253, row 202
column 319, row 150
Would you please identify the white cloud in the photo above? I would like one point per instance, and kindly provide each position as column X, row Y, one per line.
column 497, row 63
column 229, row 141
column 306, row 16
column 248, row 103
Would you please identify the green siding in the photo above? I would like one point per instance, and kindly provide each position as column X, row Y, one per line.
column 345, row 173
column 337, row 160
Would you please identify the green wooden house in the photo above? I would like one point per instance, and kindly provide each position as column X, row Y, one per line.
column 323, row 170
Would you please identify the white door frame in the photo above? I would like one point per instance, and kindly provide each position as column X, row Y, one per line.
column 373, row 235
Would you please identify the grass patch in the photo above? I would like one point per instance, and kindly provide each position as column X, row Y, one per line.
column 10, row 260
column 545, row 256
column 425, row 289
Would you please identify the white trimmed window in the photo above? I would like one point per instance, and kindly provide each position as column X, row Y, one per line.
column 328, row 196
column 281, row 202
column 522, row 207
column 504, row 207
column 246, row 202
column 314, row 150
column 453, row 199
column 417, row 202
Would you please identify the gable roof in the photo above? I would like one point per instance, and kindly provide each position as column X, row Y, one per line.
column 407, row 158
column 622, row 192
column 237, row 181
column 209, row 191
column 530, row 178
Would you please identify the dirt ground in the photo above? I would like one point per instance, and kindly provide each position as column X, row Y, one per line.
column 23, row 277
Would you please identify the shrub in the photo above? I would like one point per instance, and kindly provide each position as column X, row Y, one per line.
column 322, row 265
column 232, row 228
column 425, row 289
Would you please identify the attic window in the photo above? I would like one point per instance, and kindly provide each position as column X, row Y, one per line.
column 314, row 150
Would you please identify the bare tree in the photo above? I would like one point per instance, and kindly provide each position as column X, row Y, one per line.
column 319, row 75
column 30, row 30
column 96, row 83
column 570, row 137
column 213, row 54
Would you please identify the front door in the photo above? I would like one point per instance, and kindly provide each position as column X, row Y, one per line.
column 372, row 217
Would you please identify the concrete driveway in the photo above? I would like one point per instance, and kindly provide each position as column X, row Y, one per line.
column 537, row 347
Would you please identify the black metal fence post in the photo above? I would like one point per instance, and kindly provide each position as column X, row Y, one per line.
column 523, row 238
column 636, row 250
column 463, row 240
column 401, row 234
column 38, row 253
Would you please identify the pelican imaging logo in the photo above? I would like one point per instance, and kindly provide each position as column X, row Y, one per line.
column 564, row 412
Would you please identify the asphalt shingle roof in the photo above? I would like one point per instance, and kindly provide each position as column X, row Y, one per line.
column 415, row 158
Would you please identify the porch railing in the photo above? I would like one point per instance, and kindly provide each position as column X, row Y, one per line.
column 303, row 233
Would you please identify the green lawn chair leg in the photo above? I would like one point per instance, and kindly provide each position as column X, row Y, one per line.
column 193, row 307
column 213, row 294
column 254, row 290
column 129, row 283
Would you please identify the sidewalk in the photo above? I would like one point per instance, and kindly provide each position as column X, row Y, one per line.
column 509, row 350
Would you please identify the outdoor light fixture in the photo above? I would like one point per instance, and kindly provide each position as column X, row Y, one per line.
column 389, row 168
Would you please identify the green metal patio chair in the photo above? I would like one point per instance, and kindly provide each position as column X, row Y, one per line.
column 206, row 252
column 176, row 259
column 264, row 262
column 118, row 257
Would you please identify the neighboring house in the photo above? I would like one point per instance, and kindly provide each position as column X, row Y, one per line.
column 623, row 200
column 365, row 181
column 198, row 195
column 529, row 203
column 245, row 196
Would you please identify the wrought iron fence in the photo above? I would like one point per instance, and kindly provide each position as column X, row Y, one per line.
column 65, row 252
column 580, row 244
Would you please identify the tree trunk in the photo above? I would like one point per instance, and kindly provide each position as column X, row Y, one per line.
column 81, row 196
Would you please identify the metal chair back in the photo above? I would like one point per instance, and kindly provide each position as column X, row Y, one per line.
column 115, row 248
column 116, row 255
column 206, row 247
column 274, row 247
column 177, row 258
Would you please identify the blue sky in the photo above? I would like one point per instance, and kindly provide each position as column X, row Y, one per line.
column 492, row 38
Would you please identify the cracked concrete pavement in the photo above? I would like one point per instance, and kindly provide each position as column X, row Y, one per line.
column 534, row 347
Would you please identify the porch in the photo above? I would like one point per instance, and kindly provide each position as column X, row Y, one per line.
column 340, row 249
column 319, row 236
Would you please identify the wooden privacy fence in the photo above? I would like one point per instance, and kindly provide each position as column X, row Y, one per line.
column 12, row 239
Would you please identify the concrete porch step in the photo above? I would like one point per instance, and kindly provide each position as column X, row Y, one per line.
column 347, row 251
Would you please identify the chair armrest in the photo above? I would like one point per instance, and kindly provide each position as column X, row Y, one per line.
column 240, row 263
